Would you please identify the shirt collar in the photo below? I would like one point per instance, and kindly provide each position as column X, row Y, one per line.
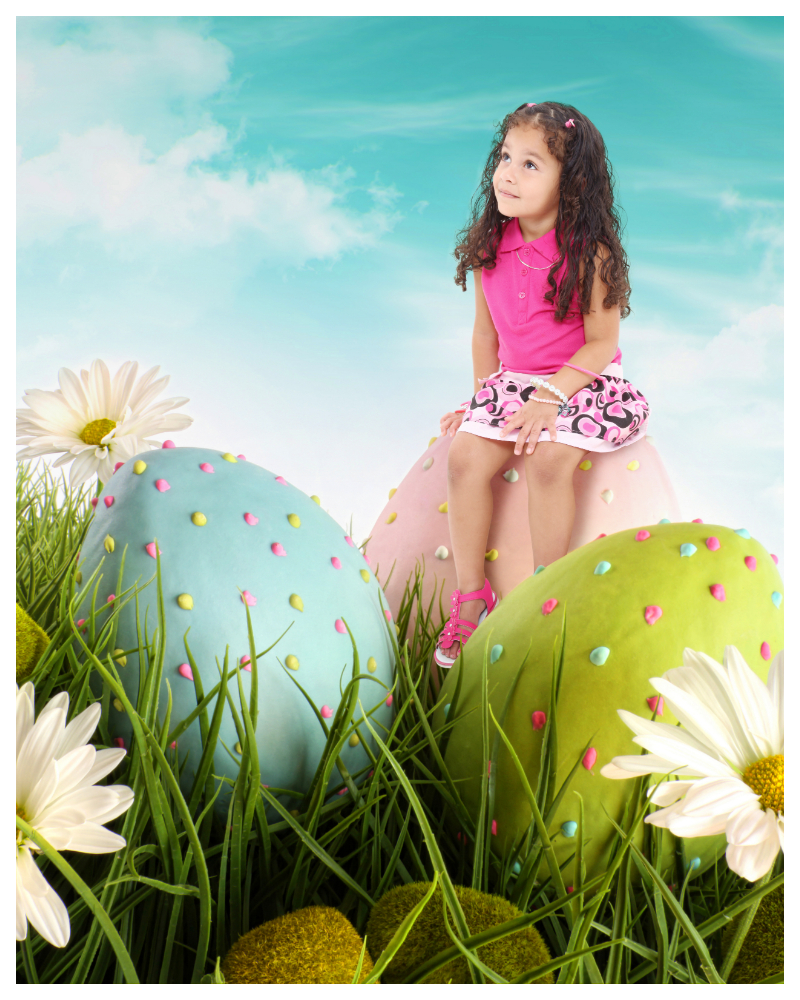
column 512, row 239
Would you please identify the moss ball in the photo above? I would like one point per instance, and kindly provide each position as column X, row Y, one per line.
column 761, row 954
column 317, row 944
column 509, row 957
column 31, row 643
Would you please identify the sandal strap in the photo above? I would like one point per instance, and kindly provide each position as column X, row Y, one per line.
column 458, row 628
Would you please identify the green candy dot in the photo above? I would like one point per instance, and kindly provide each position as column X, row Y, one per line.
column 599, row 655
column 569, row 828
column 497, row 652
column 665, row 520
column 601, row 568
column 742, row 532
column 777, row 598
column 538, row 570
column 687, row 549
column 446, row 709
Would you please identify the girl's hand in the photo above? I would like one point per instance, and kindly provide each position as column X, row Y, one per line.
column 532, row 418
column 451, row 422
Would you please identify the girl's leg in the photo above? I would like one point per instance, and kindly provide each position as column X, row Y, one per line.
column 471, row 463
column 551, row 498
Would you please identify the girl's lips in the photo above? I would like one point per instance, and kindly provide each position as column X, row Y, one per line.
column 505, row 194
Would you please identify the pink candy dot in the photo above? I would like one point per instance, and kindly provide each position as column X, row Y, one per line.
column 206, row 467
column 341, row 791
column 603, row 535
column 750, row 563
column 150, row 549
column 642, row 535
column 371, row 773
column 388, row 614
column 250, row 518
column 656, row 704
column 697, row 520
column 774, row 558
column 538, row 720
column 367, row 559
column 570, row 888
column 281, row 480
column 488, row 767
column 326, row 712
column 241, row 458
column 766, row 653
column 336, row 562
column 247, row 598
column 245, row 663
column 390, row 699
column 494, row 827
column 589, row 758
column 652, row 613
column 549, row 606
column 168, row 444
column 186, row 671
column 118, row 466
column 339, row 625
column 93, row 501
column 712, row 543
column 110, row 599
column 717, row 591
column 173, row 745
column 119, row 742
column 80, row 622
column 349, row 541
column 162, row 485
column 278, row 549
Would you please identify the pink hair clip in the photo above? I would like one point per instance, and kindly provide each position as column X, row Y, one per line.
column 569, row 124
column 532, row 105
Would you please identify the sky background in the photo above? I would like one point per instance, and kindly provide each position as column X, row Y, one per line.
column 266, row 207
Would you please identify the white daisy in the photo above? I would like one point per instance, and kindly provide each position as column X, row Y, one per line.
column 96, row 421
column 56, row 795
column 731, row 739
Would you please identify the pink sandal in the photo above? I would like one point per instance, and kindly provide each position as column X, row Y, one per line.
column 459, row 629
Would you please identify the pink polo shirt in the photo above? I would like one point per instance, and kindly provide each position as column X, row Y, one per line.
column 530, row 339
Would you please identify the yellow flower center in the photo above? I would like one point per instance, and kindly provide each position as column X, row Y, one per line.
column 765, row 777
column 94, row 432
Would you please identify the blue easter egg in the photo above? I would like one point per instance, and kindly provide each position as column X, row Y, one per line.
column 229, row 532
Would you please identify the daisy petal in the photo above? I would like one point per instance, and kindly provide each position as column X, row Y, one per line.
column 79, row 731
column 755, row 704
column 37, row 751
column 24, row 713
column 648, row 763
column 668, row 792
column 750, row 825
column 718, row 796
column 48, row 916
column 753, row 862
column 700, row 722
column 775, row 688
column 91, row 838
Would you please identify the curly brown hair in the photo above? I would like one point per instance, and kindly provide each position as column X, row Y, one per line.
column 588, row 223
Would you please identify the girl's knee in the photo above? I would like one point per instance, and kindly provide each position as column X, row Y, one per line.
column 551, row 463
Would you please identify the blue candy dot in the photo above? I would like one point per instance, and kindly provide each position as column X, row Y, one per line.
column 446, row 709
column 777, row 598
column 570, row 828
column 496, row 653
column 599, row 655
column 665, row 520
column 538, row 570
column 687, row 549
column 602, row 567
column 515, row 868
column 694, row 863
column 743, row 532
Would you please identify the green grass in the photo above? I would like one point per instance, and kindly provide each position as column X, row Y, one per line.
column 169, row 905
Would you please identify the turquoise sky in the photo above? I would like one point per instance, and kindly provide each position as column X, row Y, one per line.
column 266, row 207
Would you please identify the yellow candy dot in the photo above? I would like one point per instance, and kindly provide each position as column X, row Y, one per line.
column 118, row 705
column 185, row 601
column 238, row 748
column 139, row 467
column 316, row 499
column 354, row 740
column 585, row 465
column 364, row 575
column 296, row 602
column 372, row 664
column 633, row 466
column 79, row 577
column 491, row 555
column 392, row 492
column 119, row 657
column 108, row 543
column 432, row 440
column 294, row 812
column 294, row 520
column 443, row 508
column 391, row 517
column 396, row 629
column 199, row 518
column 292, row 662
column 230, row 458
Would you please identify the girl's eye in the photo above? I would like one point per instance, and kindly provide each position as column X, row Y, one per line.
column 528, row 163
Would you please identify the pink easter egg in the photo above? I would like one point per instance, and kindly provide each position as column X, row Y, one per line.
column 339, row 625
column 336, row 562
column 150, row 549
column 549, row 606
column 750, row 563
column 247, row 598
column 642, row 535
column 206, row 467
column 766, row 652
column 162, row 485
column 186, row 671
column 538, row 720
column 250, row 518
column 326, row 712
column 168, row 444
column 281, row 480
column 656, row 704
column 652, row 613
column 278, row 549
column 712, row 543
column 589, row 758
column 717, row 591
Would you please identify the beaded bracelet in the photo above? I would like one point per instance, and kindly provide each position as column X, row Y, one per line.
column 535, row 380
column 563, row 408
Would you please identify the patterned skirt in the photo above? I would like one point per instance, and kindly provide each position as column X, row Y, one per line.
column 602, row 416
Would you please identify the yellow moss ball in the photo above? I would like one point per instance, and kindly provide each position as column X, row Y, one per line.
column 509, row 957
column 317, row 944
column 761, row 954
column 31, row 643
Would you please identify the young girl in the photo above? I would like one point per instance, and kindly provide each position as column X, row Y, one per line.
column 551, row 284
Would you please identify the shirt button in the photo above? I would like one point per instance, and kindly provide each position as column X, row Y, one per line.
column 524, row 270
column 526, row 251
column 522, row 295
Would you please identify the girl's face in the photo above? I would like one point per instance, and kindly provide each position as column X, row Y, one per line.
column 526, row 181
